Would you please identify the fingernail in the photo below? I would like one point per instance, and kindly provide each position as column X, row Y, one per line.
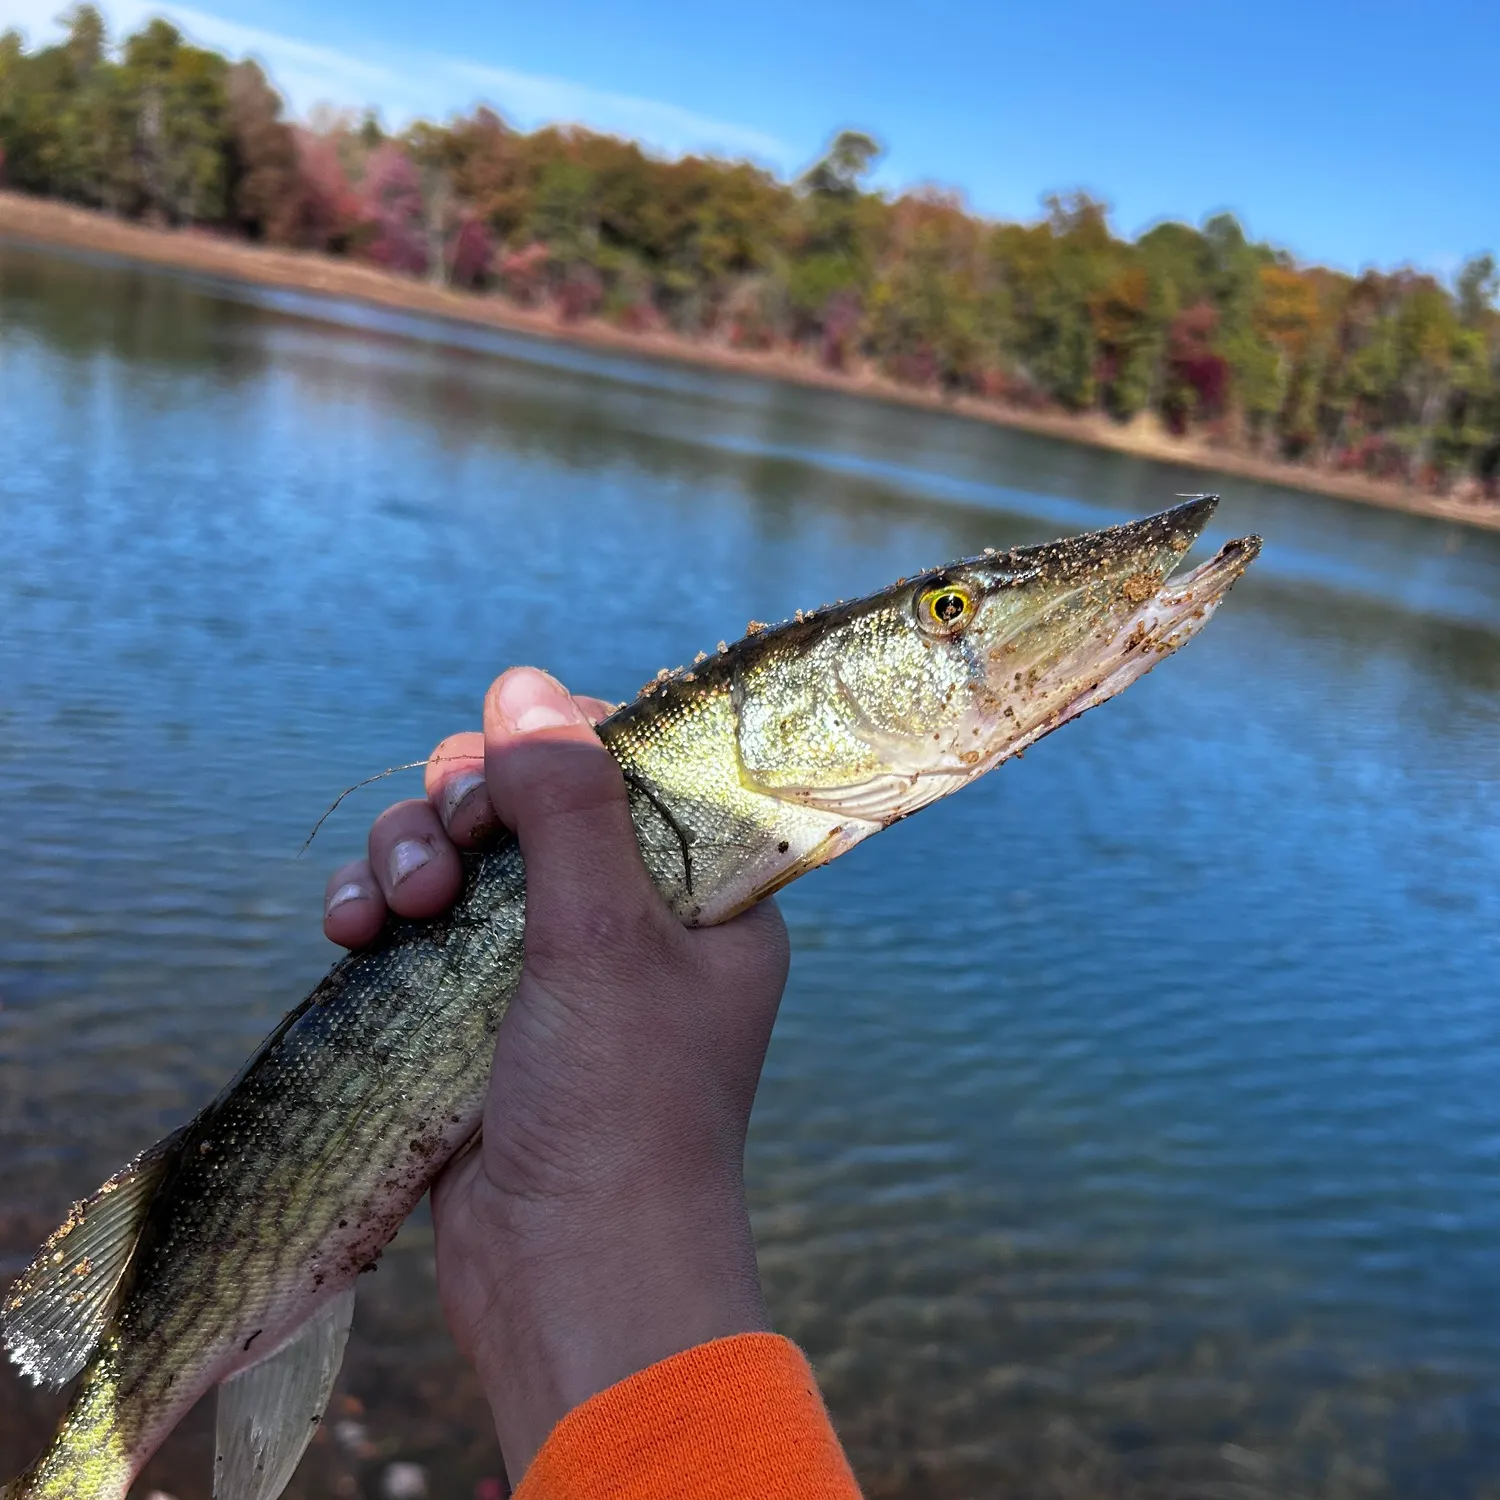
column 530, row 700
column 341, row 897
column 458, row 791
column 407, row 858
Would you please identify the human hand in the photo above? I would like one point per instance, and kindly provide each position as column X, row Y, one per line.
column 601, row 1224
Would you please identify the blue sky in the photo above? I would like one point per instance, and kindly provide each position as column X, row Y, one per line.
column 1350, row 133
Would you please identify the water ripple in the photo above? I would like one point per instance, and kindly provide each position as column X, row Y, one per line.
column 1130, row 1128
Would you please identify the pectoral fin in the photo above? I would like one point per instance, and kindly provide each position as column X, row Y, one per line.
column 269, row 1413
column 57, row 1310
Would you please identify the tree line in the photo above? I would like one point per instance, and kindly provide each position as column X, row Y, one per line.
column 1394, row 374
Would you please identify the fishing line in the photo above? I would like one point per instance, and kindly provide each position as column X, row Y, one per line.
column 333, row 806
column 602, row 709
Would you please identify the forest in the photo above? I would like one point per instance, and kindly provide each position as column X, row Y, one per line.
column 1393, row 374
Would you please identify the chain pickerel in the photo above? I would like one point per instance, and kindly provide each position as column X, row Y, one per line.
column 226, row 1254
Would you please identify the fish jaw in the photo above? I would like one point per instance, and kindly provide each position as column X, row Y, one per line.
column 1066, row 626
column 1162, row 625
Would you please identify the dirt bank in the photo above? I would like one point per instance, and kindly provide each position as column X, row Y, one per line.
column 46, row 222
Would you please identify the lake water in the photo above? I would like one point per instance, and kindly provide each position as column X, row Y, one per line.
column 1152, row 1148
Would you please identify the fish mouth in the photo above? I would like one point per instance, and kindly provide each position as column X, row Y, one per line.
column 1151, row 614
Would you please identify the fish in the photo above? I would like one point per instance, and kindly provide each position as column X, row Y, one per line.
column 226, row 1255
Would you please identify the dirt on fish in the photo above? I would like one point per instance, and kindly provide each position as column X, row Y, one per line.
column 1140, row 587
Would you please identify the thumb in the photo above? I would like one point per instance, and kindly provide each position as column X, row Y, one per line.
column 588, row 895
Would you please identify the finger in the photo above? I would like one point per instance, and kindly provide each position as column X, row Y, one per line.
column 595, row 708
column 456, row 789
column 745, row 962
column 455, row 784
column 563, row 793
column 353, row 906
column 415, row 864
column 754, row 945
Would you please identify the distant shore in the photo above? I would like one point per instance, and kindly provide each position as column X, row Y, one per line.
column 46, row 222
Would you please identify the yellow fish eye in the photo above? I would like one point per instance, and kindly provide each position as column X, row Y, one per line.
column 947, row 608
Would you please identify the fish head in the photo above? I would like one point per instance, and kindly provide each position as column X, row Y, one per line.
column 874, row 709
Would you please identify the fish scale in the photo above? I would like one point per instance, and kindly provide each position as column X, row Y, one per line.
column 227, row 1254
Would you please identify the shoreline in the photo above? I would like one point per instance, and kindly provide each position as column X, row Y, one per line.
column 46, row 222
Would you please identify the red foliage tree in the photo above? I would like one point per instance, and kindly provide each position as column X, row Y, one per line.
column 392, row 208
column 1200, row 375
column 470, row 254
column 840, row 330
column 580, row 294
column 328, row 207
column 523, row 273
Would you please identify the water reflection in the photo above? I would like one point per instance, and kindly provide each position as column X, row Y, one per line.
column 1131, row 1126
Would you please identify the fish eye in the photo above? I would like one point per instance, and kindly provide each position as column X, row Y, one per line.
column 946, row 608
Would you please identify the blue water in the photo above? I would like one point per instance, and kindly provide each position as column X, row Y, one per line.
column 1132, row 1126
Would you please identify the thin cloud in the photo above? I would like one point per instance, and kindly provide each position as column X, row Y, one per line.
column 339, row 69
column 537, row 99
column 309, row 75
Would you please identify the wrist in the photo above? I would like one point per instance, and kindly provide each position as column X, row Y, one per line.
column 590, row 1294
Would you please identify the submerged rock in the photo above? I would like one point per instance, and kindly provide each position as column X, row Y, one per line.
column 403, row 1481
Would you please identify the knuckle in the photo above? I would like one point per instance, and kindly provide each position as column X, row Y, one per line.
column 755, row 947
column 451, row 757
column 425, row 894
column 400, row 818
column 565, row 778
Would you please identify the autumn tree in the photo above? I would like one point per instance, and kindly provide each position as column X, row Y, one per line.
column 263, row 168
column 328, row 207
column 179, row 95
column 393, row 212
column 835, row 235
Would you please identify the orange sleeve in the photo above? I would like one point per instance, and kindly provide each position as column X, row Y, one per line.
column 736, row 1419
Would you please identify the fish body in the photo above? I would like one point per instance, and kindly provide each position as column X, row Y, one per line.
column 226, row 1255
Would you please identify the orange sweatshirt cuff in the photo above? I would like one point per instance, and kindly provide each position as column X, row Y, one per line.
column 736, row 1419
